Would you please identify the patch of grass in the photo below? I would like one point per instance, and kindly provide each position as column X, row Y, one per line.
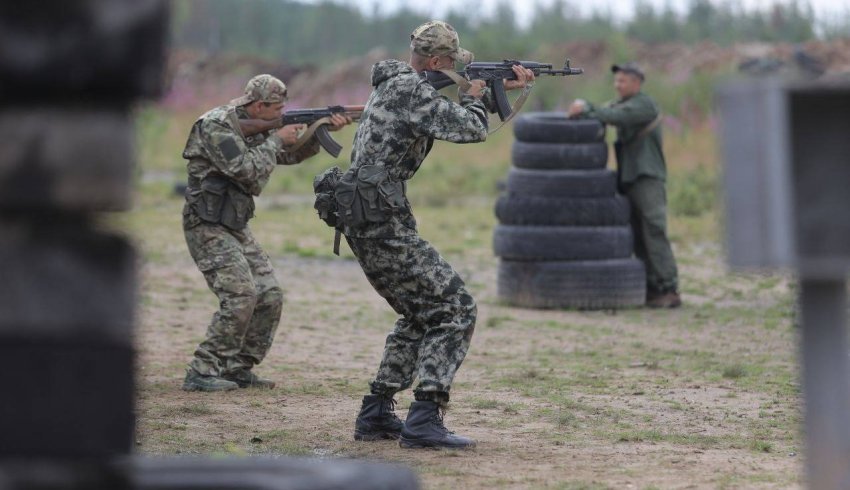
column 496, row 321
column 197, row 409
column 279, row 441
column 734, row 371
column 695, row 440
column 485, row 404
column 761, row 446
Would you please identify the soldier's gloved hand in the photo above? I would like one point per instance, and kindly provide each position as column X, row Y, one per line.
column 289, row 134
column 338, row 121
column 476, row 88
column 524, row 76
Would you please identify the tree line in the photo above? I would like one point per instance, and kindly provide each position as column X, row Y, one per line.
column 328, row 31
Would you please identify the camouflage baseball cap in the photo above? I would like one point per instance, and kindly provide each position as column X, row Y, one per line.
column 631, row 67
column 437, row 38
column 264, row 88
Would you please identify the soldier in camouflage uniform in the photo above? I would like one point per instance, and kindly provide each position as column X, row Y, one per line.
column 402, row 118
column 642, row 174
column 226, row 169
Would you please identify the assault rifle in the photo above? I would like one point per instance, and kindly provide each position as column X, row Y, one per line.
column 317, row 121
column 494, row 73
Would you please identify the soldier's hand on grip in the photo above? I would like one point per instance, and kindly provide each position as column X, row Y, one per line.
column 476, row 88
column 338, row 121
column 523, row 77
column 289, row 133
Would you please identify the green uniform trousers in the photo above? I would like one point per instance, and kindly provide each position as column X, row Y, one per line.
column 250, row 300
column 648, row 199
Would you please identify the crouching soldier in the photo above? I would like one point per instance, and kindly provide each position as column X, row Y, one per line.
column 226, row 170
column 403, row 117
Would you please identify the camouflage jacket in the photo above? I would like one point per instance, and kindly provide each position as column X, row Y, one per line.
column 216, row 146
column 636, row 156
column 402, row 118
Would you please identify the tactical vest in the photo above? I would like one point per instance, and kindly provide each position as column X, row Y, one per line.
column 217, row 200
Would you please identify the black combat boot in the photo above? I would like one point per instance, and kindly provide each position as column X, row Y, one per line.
column 377, row 419
column 424, row 428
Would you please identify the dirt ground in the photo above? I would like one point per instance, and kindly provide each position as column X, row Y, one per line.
column 705, row 396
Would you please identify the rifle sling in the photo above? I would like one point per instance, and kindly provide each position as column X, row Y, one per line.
column 461, row 82
column 464, row 85
column 649, row 127
column 307, row 134
column 516, row 106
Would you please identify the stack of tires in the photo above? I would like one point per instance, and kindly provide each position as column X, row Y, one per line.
column 564, row 237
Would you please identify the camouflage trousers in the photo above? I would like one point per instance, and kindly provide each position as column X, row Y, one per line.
column 432, row 336
column 250, row 299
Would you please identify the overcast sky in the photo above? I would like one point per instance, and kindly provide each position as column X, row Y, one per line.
column 524, row 8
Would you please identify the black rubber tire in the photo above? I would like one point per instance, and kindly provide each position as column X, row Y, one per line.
column 562, row 183
column 555, row 127
column 512, row 209
column 515, row 242
column 587, row 285
column 559, row 155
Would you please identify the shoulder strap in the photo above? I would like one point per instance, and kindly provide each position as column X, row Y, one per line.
column 461, row 82
column 516, row 106
column 649, row 127
column 307, row 134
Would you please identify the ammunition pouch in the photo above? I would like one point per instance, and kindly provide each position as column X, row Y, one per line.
column 367, row 195
column 324, row 186
column 222, row 202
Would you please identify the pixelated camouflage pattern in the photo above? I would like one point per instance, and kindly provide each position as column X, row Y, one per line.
column 402, row 118
column 240, row 274
column 438, row 38
column 263, row 88
column 432, row 336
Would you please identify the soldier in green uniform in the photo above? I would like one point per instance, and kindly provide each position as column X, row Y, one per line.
column 642, row 175
column 226, row 169
column 402, row 118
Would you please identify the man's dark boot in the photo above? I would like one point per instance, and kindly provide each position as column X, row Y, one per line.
column 424, row 428
column 377, row 419
column 669, row 299
column 198, row 382
column 247, row 379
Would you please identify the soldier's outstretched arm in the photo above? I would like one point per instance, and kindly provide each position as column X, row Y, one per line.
column 632, row 111
column 434, row 115
column 309, row 149
column 249, row 166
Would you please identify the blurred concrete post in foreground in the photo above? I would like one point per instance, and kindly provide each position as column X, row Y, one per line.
column 69, row 73
column 786, row 147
